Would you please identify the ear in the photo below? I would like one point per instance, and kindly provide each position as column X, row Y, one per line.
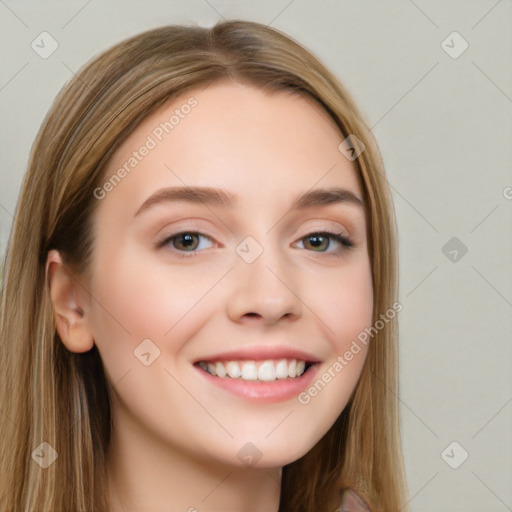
column 66, row 295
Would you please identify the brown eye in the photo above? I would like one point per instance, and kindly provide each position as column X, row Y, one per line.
column 185, row 241
column 316, row 242
column 319, row 242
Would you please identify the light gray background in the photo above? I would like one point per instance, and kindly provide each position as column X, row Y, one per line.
column 444, row 126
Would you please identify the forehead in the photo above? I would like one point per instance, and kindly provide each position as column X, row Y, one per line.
column 238, row 137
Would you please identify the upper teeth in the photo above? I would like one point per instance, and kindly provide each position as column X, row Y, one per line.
column 256, row 370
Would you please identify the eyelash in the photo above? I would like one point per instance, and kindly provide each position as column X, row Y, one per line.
column 344, row 241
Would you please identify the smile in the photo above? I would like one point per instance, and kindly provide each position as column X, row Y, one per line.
column 265, row 370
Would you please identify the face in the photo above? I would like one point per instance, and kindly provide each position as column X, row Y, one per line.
column 244, row 279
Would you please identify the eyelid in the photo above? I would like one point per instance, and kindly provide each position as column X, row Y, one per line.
column 324, row 226
column 189, row 225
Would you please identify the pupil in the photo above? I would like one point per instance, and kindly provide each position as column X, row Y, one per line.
column 317, row 240
column 186, row 240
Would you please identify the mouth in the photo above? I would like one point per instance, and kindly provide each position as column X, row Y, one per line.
column 267, row 370
column 263, row 381
column 259, row 374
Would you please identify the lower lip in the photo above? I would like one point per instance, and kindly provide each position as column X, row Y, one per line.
column 264, row 391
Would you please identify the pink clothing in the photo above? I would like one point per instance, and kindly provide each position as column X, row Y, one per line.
column 352, row 502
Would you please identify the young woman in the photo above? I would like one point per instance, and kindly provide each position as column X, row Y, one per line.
column 199, row 297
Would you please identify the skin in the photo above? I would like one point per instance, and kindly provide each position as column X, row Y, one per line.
column 176, row 436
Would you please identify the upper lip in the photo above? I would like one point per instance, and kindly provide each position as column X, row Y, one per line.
column 259, row 353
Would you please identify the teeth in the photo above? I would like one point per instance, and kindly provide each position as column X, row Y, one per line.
column 233, row 369
column 292, row 369
column 282, row 369
column 268, row 370
column 249, row 371
column 220, row 370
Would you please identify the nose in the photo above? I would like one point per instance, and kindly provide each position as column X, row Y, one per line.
column 264, row 291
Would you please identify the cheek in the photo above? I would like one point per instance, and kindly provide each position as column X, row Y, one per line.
column 140, row 298
column 345, row 305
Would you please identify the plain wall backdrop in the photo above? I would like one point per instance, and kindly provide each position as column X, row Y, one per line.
column 434, row 82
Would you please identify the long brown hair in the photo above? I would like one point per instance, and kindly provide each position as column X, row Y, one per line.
column 49, row 394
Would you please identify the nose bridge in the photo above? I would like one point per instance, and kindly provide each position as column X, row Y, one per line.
column 264, row 281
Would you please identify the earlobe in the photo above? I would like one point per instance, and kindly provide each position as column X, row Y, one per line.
column 69, row 312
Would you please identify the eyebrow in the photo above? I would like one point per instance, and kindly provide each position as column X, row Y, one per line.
column 219, row 197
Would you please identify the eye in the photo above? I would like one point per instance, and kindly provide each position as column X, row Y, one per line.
column 322, row 240
column 187, row 243
column 184, row 242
